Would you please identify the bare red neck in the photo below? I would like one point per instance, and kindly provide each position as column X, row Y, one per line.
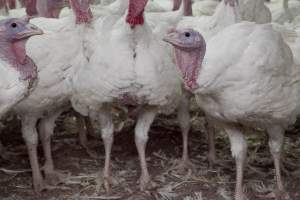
column 15, row 54
column 187, row 4
column 135, row 15
column 176, row 4
column 82, row 11
column 30, row 7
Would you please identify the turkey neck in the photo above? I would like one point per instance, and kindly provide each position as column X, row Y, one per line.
column 30, row 7
column 82, row 11
column 189, row 62
column 176, row 4
column 187, row 5
column 15, row 54
column 135, row 15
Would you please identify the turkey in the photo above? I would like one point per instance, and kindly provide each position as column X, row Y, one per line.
column 241, row 78
column 227, row 13
column 18, row 70
column 132, row 67
column 56, row 64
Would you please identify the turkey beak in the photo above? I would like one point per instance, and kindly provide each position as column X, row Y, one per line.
column 30, row 30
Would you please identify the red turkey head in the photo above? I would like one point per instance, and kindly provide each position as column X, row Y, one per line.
column 82, row 11
column 190, row 49
column 13, row 36
column 135, row 15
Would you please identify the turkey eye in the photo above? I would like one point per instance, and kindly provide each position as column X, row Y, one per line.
column 187, row 34
column 14, row 25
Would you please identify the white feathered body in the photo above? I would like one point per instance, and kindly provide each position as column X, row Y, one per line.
column 248, row 77
column 129, row 66
column 12, row 89
column 58, row 54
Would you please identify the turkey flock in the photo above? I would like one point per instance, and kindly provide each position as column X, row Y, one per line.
column 240, row 60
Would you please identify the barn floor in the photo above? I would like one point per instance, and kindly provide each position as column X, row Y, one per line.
column 164, row 149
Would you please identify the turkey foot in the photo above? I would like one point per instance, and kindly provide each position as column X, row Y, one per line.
column 146, row 183
column 106, row 182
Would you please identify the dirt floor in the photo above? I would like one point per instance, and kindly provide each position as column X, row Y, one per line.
column 163, row 151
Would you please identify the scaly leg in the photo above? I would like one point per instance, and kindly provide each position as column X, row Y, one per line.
column 183, row 116
column 276, row 138
column 89, row 126
column 46, row 129
column 83, row 130
column 142, row 127
column 30, row 136
column 239, row 152
column 107, row 130
column 82, row 133
column 211, row 156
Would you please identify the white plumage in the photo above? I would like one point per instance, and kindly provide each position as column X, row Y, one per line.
column 12, row 89
column 243, row 81
column 132, row 66
column 17, row 69
column 58, row 54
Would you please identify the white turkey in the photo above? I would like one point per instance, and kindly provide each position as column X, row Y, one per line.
column 241, row 78
column 228, row 12
column 58, row 54
column 18, row 71
column 131, row 67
